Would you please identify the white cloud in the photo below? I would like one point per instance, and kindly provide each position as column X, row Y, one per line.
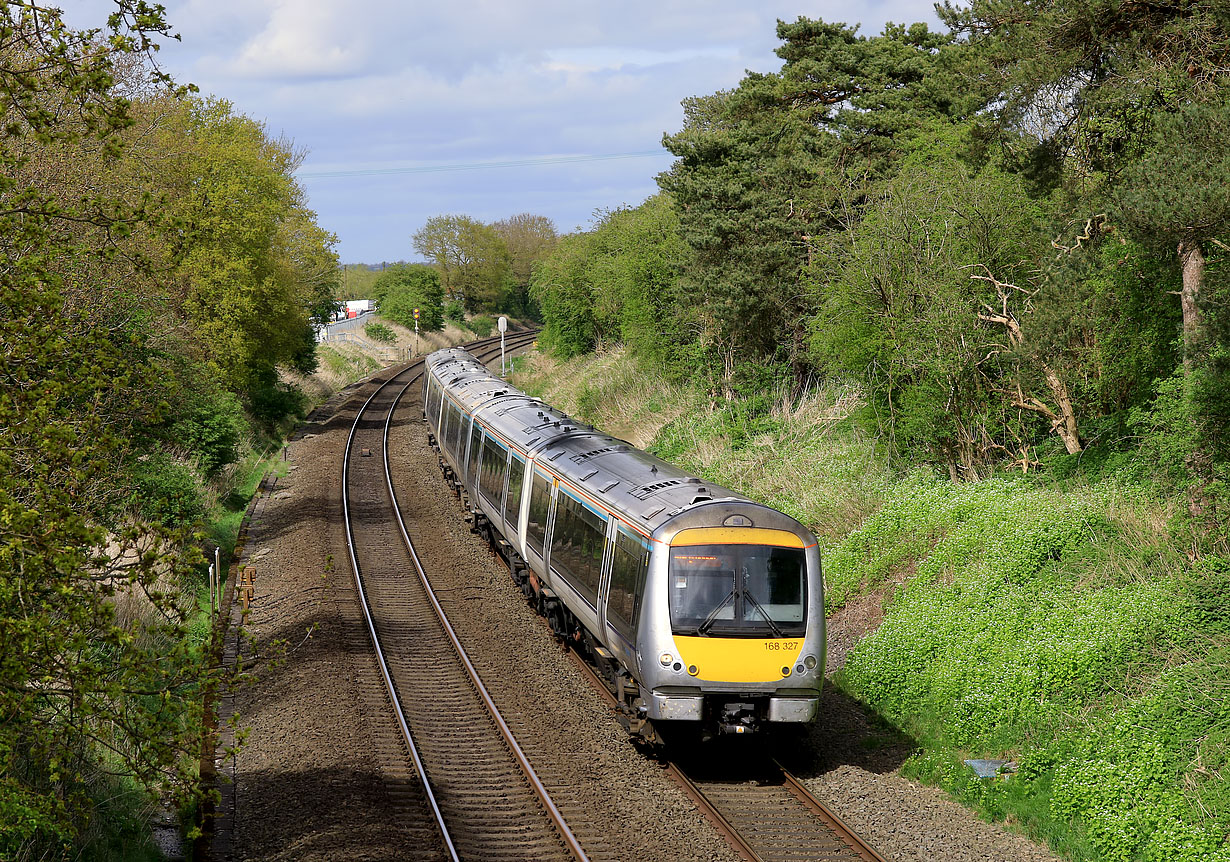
column 304, row 39
column 387, row 83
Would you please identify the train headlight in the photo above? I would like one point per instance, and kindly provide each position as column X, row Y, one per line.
column 785, row 671
column 810, row 662
column 666, row 659
column 693, row 669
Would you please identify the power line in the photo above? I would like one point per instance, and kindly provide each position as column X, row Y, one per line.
column 475, row 166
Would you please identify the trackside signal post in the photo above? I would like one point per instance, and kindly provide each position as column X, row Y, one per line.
column 416, row 330
column 503, row 324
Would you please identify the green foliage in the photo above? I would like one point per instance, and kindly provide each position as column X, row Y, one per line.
column 481, row 325
column 1171, row 194
column 529, row 239
column 1025, row 624
column 1167, row 433
column 273, row 401
column 254, row 264
column 617, row 282
column 471, row 258
column 97, row 678
column 566, row 299
column 379, row 332
column 357, row 280
column 161, row 268
column 402, row 288
column 904, row 312
column 212, row 428
column 767, row 171
column 166, row 492
column 455, row 312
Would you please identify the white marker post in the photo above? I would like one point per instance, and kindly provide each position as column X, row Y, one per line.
column 503, row 325
column 416, row 330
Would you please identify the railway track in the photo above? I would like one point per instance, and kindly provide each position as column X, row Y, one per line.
column 766, row 813
column 486, row 801
column 763, row 811
column 483, row 804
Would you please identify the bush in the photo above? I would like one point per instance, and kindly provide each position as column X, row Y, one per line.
column 213, row 431
column 455, row 311
column 272, row 401
column 379, row 332
column 481, row 325
column 166, row 491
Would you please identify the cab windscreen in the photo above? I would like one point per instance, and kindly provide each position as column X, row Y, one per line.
column 738, row 590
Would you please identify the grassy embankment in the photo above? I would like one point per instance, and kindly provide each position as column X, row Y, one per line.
column 1054, row 623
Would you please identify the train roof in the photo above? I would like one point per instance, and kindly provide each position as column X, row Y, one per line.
column 642, row 488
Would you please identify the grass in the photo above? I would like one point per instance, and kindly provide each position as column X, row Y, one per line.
column 1052, row 621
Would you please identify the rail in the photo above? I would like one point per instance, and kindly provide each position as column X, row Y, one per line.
column 415, row 372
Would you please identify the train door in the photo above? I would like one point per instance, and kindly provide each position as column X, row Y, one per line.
column 607, row 558
column 512, row 499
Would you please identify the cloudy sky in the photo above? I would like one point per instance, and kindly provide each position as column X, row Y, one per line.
column 486, row 108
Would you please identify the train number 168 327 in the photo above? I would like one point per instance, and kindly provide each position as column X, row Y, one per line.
column 787, row 646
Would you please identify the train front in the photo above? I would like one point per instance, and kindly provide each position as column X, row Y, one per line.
column 735, row 636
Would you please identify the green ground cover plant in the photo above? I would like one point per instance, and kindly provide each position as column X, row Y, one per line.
column 1046, row 627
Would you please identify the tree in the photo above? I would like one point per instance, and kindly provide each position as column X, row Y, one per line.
column 528, row 238
column 902, row 314
column 97, row 676
column 769, row 170
column 1119, row 90
column 402, row 288
column 471, row 258
column 566, row 298
column 617, row 283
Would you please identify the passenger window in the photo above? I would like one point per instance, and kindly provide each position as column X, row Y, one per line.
column 629, row 567
column 540, row 508
column 577, row 544
column 512, row 508
column 476, row 438
column 491, row 478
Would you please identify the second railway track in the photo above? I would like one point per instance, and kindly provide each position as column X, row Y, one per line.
column 487, row 808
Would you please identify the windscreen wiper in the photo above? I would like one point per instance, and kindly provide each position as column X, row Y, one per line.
column 747, row 595
column 704, row 627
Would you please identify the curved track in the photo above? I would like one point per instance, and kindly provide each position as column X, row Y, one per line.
column 472, row 769
column 486, row 801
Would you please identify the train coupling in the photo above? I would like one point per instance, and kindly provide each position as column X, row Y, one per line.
column 738, row 718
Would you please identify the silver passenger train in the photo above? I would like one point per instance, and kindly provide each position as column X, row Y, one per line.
column 699, row 605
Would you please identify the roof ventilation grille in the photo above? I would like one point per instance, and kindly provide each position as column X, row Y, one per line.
column 645, row 491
